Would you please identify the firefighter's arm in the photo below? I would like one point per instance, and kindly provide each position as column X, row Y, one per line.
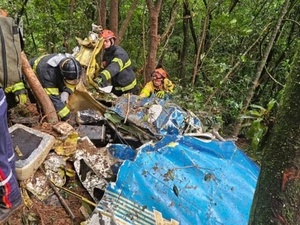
column 118, row 63
column 61, row 108
column 168, row 85
column 147, row 90
column 19, row 90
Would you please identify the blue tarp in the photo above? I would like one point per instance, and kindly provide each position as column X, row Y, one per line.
column 182, row 179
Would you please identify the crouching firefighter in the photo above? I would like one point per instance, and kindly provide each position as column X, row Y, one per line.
column 59, row 74
column 160, row 85
column 116, row 67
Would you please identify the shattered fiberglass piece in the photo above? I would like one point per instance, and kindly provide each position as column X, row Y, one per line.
column 181, row 180
column 159, row 116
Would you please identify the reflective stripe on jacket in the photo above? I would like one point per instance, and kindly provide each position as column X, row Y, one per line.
column 118, row 69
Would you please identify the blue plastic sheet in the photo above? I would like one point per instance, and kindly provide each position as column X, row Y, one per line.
column 182, row 180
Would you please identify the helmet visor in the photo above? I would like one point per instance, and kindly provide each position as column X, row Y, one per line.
column 156, row 76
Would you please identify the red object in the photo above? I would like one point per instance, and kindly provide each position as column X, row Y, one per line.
column 107, row 34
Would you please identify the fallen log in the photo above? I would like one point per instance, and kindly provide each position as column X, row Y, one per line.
column 38, row 91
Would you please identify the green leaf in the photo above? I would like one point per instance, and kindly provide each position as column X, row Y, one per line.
column 233, row 21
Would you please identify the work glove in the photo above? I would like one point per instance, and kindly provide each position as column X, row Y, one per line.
column 18, row 89
column 64, row 97
column 99, row 81
column 21, row 99
column 160, row 94
column 168, row 85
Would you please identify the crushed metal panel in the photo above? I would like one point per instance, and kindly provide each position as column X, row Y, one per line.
column 93, row 167
column 159, row 116
column 96, row 133
column 182, row 180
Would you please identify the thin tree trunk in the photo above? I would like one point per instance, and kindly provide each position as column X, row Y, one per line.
column 38, row 90
column 101, row 17
column 260, row 68
column 277, row 197
column 125, row 23
column 144, row 45
column 235, row 66
column 154, row 10
column 185, row 27
column 165, row 37
column 171, row 23
column 113, row 16
column 200, row 46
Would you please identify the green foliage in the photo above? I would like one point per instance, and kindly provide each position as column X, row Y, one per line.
column 50, row 27
column 257, row 120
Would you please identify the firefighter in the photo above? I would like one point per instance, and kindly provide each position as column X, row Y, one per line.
column 59, row 74
column 10, row 61
column 116, row 67
column 160, row 85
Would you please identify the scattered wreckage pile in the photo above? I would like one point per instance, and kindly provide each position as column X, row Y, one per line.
column 142, row 161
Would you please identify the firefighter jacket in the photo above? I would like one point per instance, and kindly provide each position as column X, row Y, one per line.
column 118, row 70
column 150, row 89
column 51, row 80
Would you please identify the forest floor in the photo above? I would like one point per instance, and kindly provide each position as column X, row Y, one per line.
column 51, row 211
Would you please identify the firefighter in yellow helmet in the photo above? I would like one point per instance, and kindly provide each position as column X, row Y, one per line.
column 160, row 85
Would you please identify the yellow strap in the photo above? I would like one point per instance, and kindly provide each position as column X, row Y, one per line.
column 128, row 87
column 63, row 112
column 52, row 91
column 36, row 62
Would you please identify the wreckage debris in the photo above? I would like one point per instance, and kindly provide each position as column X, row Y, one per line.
column 31, row 147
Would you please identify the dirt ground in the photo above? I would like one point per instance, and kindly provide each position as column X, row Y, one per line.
column 51, row 210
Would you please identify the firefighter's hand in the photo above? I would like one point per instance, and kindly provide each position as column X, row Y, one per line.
column 18, row 89
column 160, row 94
column 64, row 97
column 103, row 64
column 21, row 99
column 99, row 81
column 168, row 85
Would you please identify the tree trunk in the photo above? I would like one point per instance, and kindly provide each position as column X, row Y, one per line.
column 185, row 27
column 277, row 197
column 154, row 10
column 113, row 16
column 200, row 46
column 101, row 18
column 38, row 91
column 165, row 36
column 260, row 68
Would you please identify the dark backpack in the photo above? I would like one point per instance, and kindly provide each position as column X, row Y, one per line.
column 10, row 52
